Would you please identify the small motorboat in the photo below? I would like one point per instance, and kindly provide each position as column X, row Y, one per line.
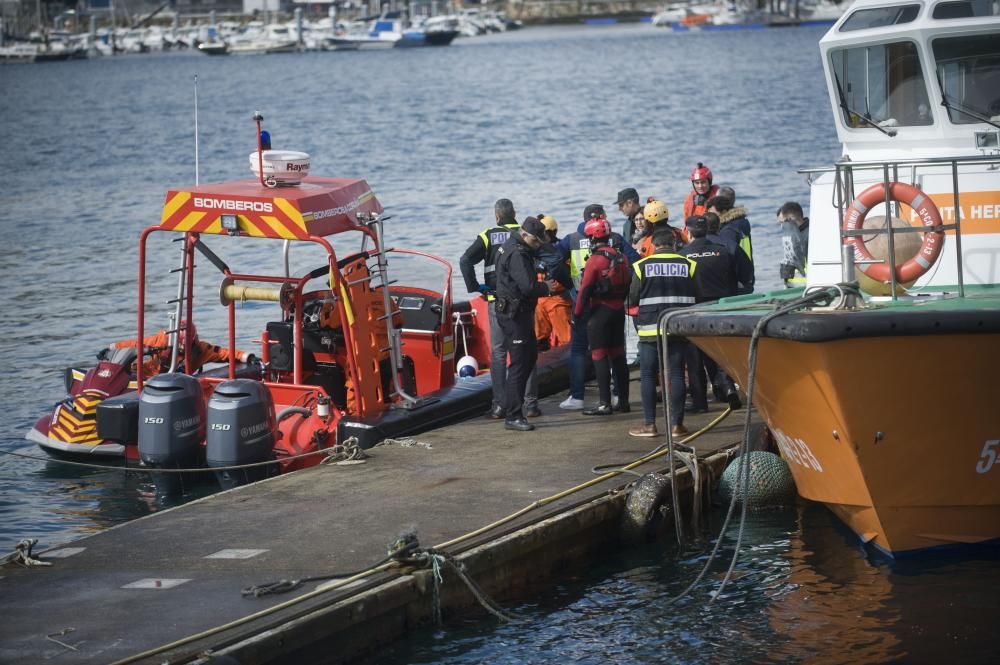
column 217, row 47
column 70, row 430
column 344, row 344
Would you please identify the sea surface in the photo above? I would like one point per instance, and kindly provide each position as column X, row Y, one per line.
column 552, row 118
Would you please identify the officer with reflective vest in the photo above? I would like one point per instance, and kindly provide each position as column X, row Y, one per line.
column 484, row 249
column 662, row 281
column 576, row 247
column 518, row 290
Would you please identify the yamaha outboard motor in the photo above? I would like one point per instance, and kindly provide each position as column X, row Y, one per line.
column 171, row 429
column 241, row 430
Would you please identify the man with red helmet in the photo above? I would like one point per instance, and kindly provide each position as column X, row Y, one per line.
column 702, row 190
column 575, row 247
column 602, row 294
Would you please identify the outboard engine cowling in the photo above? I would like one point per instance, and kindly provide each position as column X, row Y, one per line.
column 241, row 430
column 171, row 428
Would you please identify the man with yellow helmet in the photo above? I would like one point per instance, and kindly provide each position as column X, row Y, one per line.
column 656, row 213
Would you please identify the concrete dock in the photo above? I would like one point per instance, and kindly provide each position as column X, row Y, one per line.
column 167, row 588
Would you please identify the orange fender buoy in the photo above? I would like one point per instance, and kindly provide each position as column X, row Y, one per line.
column 930, row 249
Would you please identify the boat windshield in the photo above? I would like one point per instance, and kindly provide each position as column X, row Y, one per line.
column 879, row 17
column 881, row 85
column 968, row 69
column 966, row 9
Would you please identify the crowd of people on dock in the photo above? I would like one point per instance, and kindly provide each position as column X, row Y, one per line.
column 581, row 289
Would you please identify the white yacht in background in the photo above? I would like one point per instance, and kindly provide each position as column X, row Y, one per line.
column 17, row 54
column 259, row 39
column 822, row 11
column 670, row 14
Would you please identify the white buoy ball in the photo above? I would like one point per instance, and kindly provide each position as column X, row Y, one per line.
column 467, row 367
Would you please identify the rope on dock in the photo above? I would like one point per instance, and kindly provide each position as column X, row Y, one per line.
column 398, row 551
column 830, row 295
column 348, row 451
column 405, row 442
column 388, row 565
column 22, row 555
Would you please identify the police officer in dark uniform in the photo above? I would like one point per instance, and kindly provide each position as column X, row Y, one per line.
column 716, row 278
column 517, row 291
column 663, row 280
column 485, row 249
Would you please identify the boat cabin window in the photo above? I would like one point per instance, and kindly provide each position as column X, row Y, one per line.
column 878, row 17
column 968, row 70
column 966, row 9
column 881, row 85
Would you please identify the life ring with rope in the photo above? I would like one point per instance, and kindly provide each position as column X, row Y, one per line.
column 930, row 248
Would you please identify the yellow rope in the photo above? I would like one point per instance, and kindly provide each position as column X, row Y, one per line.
column 335, row 584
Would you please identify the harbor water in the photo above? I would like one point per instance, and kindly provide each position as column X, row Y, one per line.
column 552, row 118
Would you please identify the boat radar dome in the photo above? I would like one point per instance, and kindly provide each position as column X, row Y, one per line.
column 468, row 367
column 281, row 167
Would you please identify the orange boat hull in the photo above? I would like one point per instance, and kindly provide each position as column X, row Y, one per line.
column 898, row 436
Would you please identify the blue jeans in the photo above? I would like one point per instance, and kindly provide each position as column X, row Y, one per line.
column 579, row 355
column 649, row 370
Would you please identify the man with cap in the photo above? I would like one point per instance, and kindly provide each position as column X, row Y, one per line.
column 576, row 248
column 628, row 204
column 484, row 249
column 517, row 291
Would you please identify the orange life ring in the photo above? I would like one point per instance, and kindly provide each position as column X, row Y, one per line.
column 930, row 249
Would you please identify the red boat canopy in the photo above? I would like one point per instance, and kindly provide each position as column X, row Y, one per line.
column 317, row 207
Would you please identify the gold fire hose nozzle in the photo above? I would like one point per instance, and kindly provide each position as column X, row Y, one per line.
column 230, row 292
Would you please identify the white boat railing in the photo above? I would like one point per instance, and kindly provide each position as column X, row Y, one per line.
column 844, row 194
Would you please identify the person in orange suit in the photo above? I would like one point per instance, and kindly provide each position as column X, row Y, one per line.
column 158, row 345
column 553, row 313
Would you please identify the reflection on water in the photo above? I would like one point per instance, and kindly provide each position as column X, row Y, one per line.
column 802, row 592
